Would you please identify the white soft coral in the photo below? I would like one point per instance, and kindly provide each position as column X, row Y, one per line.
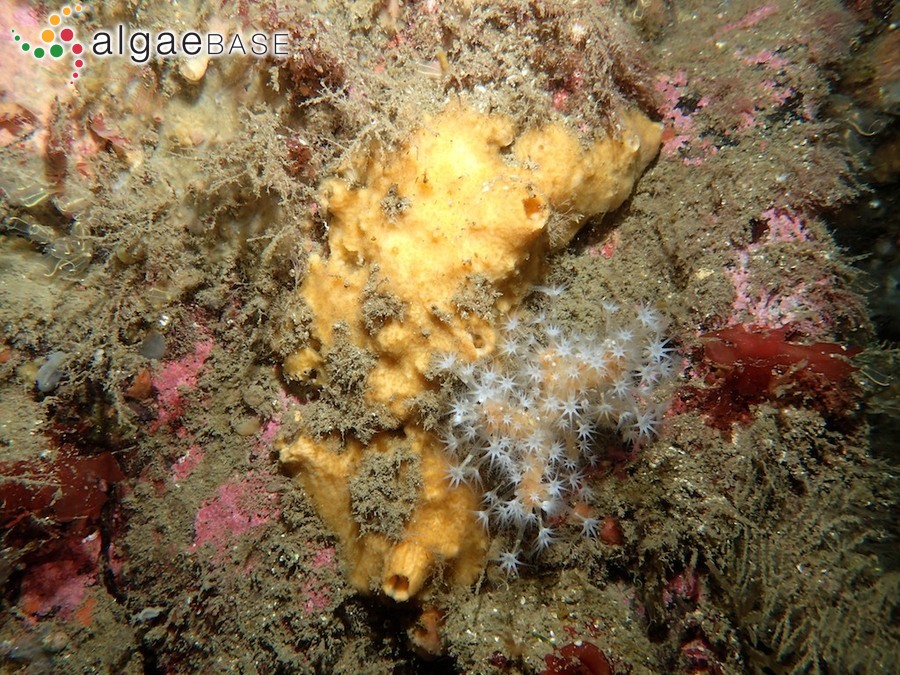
column 525, row 422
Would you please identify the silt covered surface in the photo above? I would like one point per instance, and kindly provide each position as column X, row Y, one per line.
column 158, row 224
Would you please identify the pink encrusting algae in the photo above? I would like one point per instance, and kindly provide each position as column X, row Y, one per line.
column 760, row 303
column 177, row 378
column 681, row 136
column 239, row 506
column 185, row 465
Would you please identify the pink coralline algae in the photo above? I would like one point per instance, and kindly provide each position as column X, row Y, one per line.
column 324, row 559
column 315, row 593
column 771, row 92
column 765, row 57
column 768, row 350
column 606, row 248
column 184, row 466
column 271, row 427
column 764, row 306
column 239, row 506
column 761, row 304
column 677, row 109
column 177, row 378
column 315, row 599
column 748, row 20
column 684, row 587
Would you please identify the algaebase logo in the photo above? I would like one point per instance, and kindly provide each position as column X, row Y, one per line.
column 140, row 46
column 56, row 39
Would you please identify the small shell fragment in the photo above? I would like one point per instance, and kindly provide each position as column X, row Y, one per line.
column 194, row 69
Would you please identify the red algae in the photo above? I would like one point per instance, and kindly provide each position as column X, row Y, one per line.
column 751, row 364
column 69, row 488
column 761, row 353
column 578, row 658
column 59, row 583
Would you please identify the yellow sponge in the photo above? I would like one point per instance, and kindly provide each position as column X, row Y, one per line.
column 461, row 209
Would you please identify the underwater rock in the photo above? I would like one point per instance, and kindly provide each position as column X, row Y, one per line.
column 51, row 372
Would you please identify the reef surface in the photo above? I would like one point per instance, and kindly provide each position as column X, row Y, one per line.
column 467, row 337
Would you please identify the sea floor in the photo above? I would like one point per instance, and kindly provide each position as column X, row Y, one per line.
column 157, row 222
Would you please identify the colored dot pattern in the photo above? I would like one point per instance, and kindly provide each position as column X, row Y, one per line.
column 49, row 37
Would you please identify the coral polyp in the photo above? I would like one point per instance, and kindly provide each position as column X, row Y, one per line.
column 526, row 423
